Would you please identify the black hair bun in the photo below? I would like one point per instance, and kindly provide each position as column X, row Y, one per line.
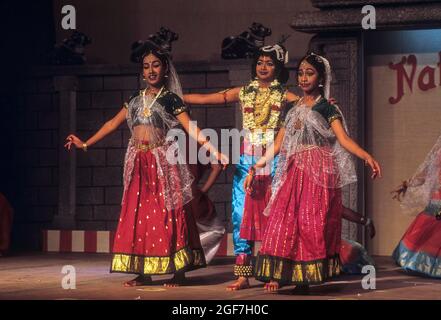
column 160, row 42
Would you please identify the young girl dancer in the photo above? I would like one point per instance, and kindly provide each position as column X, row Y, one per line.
column 155, row 235
column 263, row 103
column 301, row 243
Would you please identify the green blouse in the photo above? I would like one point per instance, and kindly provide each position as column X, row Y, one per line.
column 327, row 110
column 172, row 103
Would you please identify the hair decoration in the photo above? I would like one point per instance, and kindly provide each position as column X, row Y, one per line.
column 281, row 53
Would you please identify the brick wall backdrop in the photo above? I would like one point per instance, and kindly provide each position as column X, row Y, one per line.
column 35, row 160
column 99, row 170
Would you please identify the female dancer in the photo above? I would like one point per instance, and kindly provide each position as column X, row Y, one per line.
column 301, row 242
column 263, row 103
column 155, row 235
column 419, row 250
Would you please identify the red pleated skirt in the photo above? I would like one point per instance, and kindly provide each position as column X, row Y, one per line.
column 301, row 243
column 149, row 238
column 253, row 221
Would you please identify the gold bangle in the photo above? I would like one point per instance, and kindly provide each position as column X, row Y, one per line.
column 224, row 94
column 85, row 147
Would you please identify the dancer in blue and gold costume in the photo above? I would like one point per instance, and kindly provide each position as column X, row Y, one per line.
column 264, row 101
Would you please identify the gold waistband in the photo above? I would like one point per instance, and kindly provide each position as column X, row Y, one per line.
column 145, row 146
column 306, row 147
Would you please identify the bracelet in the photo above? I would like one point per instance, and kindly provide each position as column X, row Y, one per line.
column 224, row 93
column 84, row 147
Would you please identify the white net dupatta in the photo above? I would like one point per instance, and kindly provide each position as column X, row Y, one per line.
column 424, row 182
column 149, row 122
column 311, row 146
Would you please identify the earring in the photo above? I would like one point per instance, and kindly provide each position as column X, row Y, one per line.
column 320, row 85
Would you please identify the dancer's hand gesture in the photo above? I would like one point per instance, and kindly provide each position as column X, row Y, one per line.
column 73, row 139
column 376, row 169
column 332, row 101
column 400, row 191
column 248, row 183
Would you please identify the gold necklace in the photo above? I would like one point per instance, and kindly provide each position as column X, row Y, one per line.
column 151, row 92
column 262, row 108
column 146, row 111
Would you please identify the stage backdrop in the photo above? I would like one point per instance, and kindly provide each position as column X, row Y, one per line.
column 201, row 25
column 403, row 113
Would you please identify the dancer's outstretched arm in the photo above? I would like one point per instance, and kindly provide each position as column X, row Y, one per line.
column 354, row 148
column 106, row 129
column 401, row 190
column 222, row 97
column 197, row 135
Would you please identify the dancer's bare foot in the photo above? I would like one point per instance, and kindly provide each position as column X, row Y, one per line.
column 177, row 280
column 272, row 286
column 138, row 281
column 239, row 284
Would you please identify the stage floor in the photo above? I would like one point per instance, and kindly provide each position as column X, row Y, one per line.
column 39, row 276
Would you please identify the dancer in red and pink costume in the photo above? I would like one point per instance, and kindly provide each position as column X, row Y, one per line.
column 301, row 243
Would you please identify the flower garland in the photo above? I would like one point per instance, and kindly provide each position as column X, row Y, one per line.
column 248, row 97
